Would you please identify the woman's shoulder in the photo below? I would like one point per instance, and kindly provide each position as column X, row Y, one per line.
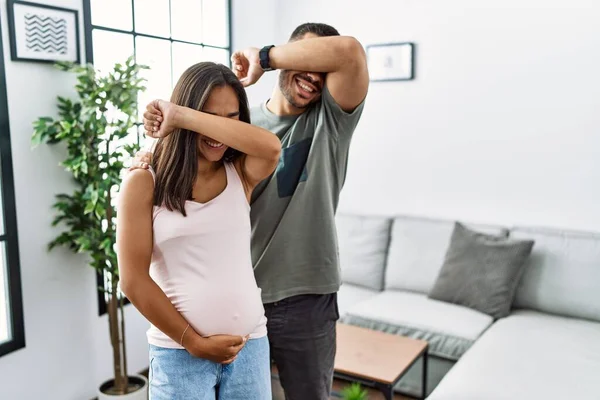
column 138, row 183
column 139, row 177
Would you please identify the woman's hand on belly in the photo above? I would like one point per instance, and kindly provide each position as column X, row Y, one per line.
column 221, row 349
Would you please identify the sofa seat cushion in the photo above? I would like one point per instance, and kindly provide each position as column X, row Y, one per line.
column 448, row 328
column 350, row 295
column 528, row 355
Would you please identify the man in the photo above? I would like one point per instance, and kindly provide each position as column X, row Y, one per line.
column 314, row 110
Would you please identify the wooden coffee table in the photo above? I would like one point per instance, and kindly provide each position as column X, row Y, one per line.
column 377, row 359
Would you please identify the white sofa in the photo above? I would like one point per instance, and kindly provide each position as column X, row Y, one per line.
column 549, row 347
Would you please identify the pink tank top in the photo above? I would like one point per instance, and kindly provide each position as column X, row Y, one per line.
column 203, row 264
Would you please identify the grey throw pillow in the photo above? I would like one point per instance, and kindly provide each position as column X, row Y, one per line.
column 481, row 271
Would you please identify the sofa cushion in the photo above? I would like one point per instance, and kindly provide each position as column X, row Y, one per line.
column 363, row 246
column 481, row 271
column 450, row 329
column 528, row 355
column 417, row 250
column 563, row 273
column 350, row 295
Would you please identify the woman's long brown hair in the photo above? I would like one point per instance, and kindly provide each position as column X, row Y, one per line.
column 175, row 157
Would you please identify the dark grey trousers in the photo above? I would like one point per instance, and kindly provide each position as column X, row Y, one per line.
column 302, row 339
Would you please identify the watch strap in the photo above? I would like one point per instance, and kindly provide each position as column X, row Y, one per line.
column 265, row 61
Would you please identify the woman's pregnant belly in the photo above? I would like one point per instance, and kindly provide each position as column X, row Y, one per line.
column 233, row 307
column 218, row 310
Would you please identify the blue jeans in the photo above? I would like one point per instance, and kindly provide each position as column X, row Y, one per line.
column 176, row 374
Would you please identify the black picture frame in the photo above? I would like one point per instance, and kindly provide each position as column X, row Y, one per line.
column 12, row 30
column 392, row 73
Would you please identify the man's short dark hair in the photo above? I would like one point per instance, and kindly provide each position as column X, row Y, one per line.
column 316, row 28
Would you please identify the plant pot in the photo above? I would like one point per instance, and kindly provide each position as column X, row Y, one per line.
column 137, row 381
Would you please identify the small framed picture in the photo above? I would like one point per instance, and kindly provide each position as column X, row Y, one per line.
column 43, row 33
column 391, row 62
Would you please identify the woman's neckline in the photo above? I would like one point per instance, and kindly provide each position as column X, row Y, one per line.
column 218, row 195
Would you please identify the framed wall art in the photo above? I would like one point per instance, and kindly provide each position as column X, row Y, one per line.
column 391, row 62
column 43, row 33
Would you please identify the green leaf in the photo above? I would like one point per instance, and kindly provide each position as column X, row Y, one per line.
column 84, row 243
column 66, row 125
column 41, row 129
column 64, row 65
column 100, row 211
column 37, row 138
column 95, row 196
column 106, row 244
column 89, row 207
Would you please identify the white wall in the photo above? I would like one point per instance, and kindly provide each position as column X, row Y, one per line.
column 254, row 24
column 67, row 351
column 501, row 124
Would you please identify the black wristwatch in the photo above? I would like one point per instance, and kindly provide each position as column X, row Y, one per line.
column 265, row 62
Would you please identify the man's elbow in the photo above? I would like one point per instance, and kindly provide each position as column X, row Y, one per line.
column 353, row 52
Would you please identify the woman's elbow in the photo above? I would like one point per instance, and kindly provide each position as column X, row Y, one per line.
column 128, row 284
column 272, row 160
column 274, row 149
column 125, row 286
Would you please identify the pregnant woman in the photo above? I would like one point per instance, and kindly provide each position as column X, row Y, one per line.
column 183, row 239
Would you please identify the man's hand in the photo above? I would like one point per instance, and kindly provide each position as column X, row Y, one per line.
column 160, row 118
column 221, row 349
column 246, row 66
column 141, row 160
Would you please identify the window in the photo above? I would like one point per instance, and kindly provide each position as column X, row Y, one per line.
column 166, row 35
column 12, row 336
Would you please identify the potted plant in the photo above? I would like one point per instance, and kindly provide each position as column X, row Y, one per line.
column 95, row 128
column 354, row 392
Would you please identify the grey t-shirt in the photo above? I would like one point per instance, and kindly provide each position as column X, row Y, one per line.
column 294, row 241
